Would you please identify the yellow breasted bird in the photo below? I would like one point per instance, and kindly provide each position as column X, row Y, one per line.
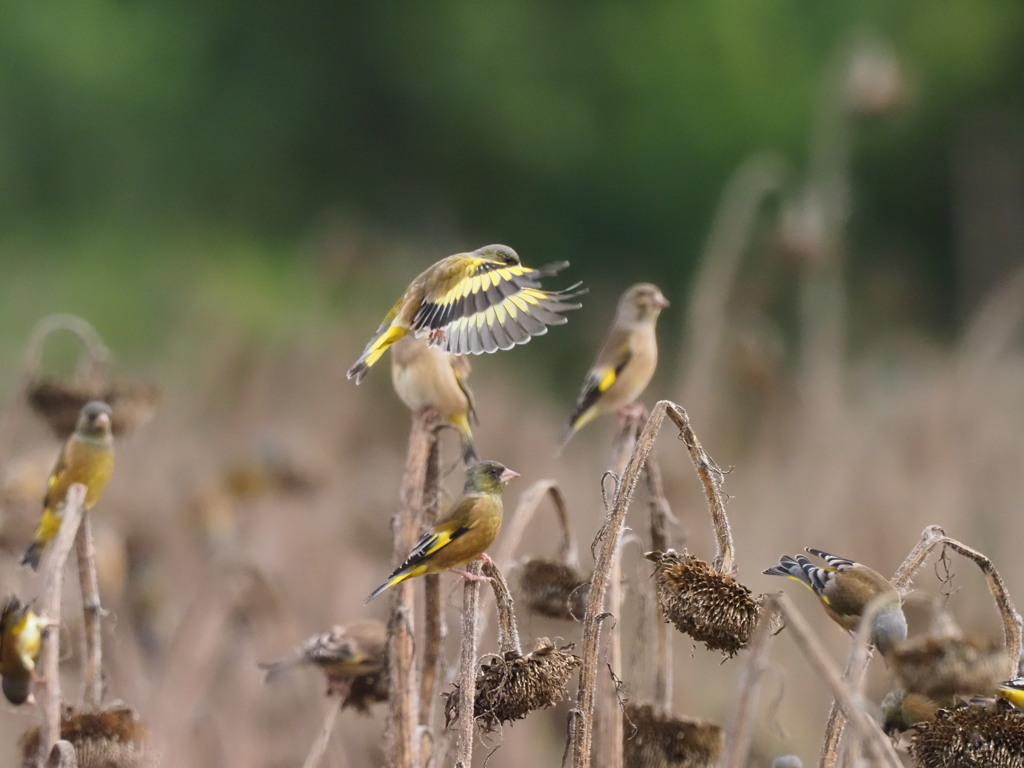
column 472, row 303
column 87, row 458
column 427, row 377
column 626, row 362
column 846, row 588
column 342, row 653
column 20, row 633
column 464, row 532
column 1012, row 691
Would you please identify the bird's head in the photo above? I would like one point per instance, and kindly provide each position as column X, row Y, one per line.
column 500, row 253
column 488, row 477
column 889, row 629
column 643, row 301
column 94, row 420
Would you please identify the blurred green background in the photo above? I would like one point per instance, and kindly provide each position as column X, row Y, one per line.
column 144, row 144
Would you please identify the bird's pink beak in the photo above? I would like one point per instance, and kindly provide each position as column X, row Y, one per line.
column 103, row 420
column 660, row 301
column 508, row 474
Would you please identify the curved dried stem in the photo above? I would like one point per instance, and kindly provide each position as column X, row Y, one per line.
column 434, row 629
column 931, row 537
column 704, row 325
column 95, row 360
column 606, row 547
column 710, row 475
column 740, row 732
column 508, row 631
column 523, row 516
column 49, row 655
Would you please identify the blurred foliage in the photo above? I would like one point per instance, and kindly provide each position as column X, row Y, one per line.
column 598, row 131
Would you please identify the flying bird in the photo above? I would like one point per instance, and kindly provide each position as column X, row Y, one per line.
column 464, row 532
column 428, row 377
column 87, row 458
column 472, row 303
column 846, row 589
column 626, row 362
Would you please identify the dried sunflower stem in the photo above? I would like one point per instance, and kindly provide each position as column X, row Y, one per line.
column 606, row 546
column 49, row 656
column 660, row 517
column 740, row 732
column 523, row 516
column 316, row 752
column 92, row 612
column 703, row 326
column 508, row 631
column 467, row 669
column 433, row 610
column 404, row 691
column 878, row 743
column 609, row 712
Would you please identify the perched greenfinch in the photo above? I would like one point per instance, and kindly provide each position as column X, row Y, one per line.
column 472, row 303
column 342, row 653
column 845, row 589
column 464, row 532
column 87, row 458
column 1012, row 691
column 900, row 710
column 20, row 633
column 627, row 359
column 427, row 377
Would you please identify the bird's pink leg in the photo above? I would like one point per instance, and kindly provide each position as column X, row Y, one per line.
column 483, row 556
column 467, row 576
column 631, row 411
column 437, row 337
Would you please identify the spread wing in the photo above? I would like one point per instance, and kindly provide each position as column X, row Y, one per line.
column 487, row 305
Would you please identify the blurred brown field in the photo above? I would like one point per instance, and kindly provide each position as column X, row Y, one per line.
column 254, row 509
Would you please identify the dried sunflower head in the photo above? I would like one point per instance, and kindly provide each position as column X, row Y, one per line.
column 509, row 687
column 110, row 738
column 655, row 740
column 970, row 736
column 553, row 589
column 706, row 605
column 59, row 402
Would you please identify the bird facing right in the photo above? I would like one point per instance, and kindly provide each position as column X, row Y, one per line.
column 846, row 589
column 626, row 362
column 87, row 458
column 464, row 532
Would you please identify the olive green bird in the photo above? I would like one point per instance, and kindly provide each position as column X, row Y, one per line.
column 20, row 635
column 846, row 589
column 464, row 532
column 472, row 303
column 87, row 458
column 900, row 710
column 427, row 377
column 626, row 362
column 342, row 653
